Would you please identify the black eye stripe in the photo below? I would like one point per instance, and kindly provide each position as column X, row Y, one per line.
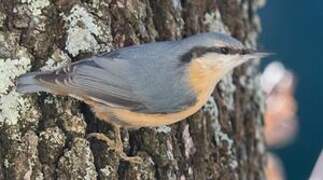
column 200, row 51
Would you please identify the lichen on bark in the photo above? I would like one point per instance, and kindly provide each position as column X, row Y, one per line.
column 43, row 136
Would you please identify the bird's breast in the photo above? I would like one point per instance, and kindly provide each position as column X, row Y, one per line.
column 135, row 119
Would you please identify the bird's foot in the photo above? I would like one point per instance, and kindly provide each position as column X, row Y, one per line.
column 116, row 146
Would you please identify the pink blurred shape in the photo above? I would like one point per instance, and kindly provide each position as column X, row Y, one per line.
column 280, row 116
column 274, row 169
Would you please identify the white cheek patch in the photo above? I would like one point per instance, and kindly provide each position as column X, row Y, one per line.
column 225, row 62
column 219, row 59
column 208, row 60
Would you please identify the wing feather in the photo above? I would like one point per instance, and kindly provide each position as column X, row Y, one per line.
column 108, row 85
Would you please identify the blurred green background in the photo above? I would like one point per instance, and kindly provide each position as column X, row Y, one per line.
column 293, row 30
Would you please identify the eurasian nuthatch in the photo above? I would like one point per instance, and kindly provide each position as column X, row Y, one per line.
column 151, row 84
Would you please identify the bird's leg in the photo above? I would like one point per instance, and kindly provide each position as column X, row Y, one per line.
column 116, row 145
column 103, row 137
column 119, row 147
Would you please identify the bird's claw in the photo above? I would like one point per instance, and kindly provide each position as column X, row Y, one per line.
column 117, row 146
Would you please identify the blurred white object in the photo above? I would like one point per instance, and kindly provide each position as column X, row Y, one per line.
column 273, row 74
column 280, row 117
column 317, row 173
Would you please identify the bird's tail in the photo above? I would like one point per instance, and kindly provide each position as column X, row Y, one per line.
column 27, row 83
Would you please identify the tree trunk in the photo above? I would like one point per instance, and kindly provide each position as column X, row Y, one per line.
column 43, row 136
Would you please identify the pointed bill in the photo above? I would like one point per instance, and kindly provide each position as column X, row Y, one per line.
column 259, row 55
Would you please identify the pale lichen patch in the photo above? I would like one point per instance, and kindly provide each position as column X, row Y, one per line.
column 77, row 163
column 10, row 69
column 12, row 105
column 74, row 124
column 54, row 135
column 214, row 22
column 57, row 60
column 80, row 40
column 83, row 30
column 6, row 163
column 188, row 142
column 36, row 6
column 169, row 152
column 164, row 129
column 227, row 90
column 106, row 171
column 177, row 4
column 219, row 135
column 24, row 162
column 221, row 138
column 2, row 18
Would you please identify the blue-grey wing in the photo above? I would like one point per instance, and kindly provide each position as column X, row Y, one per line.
column 123, row 83
column 98, row 79
column 106, row 84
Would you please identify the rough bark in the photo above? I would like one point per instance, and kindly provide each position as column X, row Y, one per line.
column 44, row 136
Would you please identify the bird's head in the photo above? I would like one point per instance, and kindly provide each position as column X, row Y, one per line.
column 219, row 52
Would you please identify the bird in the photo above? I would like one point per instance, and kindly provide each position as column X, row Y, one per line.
column 146, row 85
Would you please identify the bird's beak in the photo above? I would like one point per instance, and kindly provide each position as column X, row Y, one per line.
column 258, row 55
column 253, row 55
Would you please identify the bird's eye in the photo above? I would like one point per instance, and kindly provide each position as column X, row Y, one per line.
column 225, row 50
